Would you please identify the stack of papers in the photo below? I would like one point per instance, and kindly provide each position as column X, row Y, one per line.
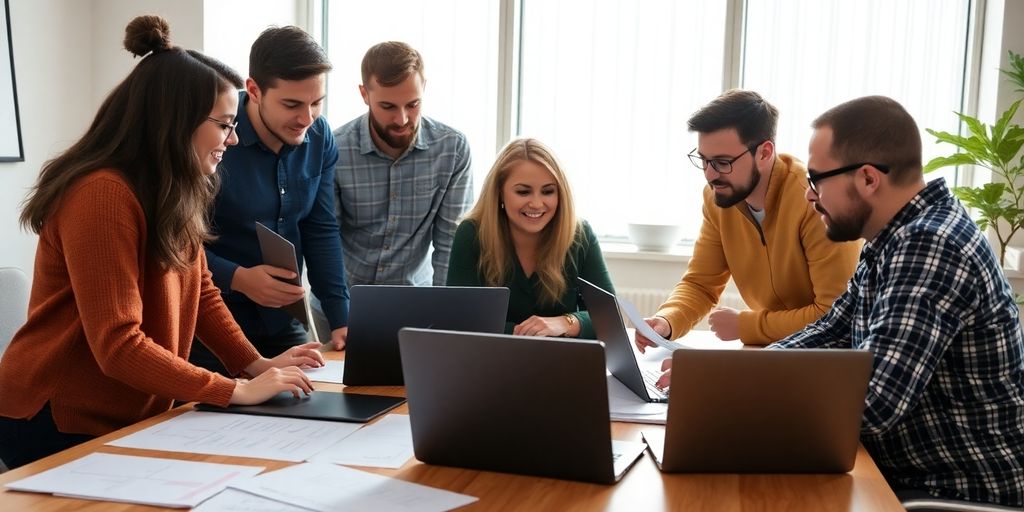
column 624, row 405
column 129, row 479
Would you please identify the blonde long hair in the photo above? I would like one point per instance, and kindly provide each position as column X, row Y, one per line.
column 557, row 238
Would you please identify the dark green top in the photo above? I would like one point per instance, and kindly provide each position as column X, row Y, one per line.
column 585, row 260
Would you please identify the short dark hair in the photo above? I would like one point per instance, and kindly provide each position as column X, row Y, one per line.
column 391, row 62
column 286, row 53
column 875, row 129
column 750, row 114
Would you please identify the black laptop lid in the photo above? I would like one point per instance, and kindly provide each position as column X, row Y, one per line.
column 377, row 312
column 607, row 321
column 534, row 406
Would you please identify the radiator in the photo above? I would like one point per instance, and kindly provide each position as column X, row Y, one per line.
column 647, row 300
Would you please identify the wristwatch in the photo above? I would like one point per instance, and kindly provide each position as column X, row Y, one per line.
column 571, row 318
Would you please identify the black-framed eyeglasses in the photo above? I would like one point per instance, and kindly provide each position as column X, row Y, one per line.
column 813, row 179
column 228, row 128
column 720, row 165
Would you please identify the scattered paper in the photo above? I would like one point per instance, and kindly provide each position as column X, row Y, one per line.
column 131, row 479
column 326, row 487
column 384, row 444
column 330, row 372
column 233, row 500
column 624, row 405
column 240, row 435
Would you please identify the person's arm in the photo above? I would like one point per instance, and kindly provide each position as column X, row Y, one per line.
column 830, row 331
column 458, row 198
column 830, row 265
column 102, row 229
column 321, row 247
column 593, row 269
column 706, row 276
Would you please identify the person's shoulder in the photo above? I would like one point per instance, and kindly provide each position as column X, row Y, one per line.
column 349, row 129
column 436, row 131
column 101, row 182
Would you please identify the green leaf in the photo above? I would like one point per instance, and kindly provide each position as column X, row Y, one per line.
column 976, row 127
column 1004, row 120
column 949, row 161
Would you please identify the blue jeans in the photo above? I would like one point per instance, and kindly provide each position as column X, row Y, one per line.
column 27, row 440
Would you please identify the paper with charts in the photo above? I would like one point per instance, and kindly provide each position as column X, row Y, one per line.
column 387, row 443
column 130, row 479
column 240, row 435
column 326, row 487
column 331, row 372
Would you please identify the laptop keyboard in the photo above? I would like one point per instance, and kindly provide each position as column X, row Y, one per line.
column 650, row 378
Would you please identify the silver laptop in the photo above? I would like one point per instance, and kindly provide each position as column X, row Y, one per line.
column 622, row 362
column 763, row 411
column 377, row 312
column 498, row 403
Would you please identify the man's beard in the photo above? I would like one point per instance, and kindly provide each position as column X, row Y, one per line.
column 850, row 226
column 739, row 193
column 392, row 140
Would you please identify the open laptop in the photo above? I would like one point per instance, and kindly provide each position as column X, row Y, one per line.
column 515, row 404
column 763, row 411
column 622, row 362
column 377, row 312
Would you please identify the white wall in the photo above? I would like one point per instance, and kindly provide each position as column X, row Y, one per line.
column 52, row 42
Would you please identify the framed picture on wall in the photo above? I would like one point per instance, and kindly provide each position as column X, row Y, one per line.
column 10, row 121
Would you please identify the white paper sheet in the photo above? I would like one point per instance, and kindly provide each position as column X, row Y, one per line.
column 326, row 487
column 692, row 339
column 234, row 500
column 130, row 479
column 624, row 405
column 240, row 435
column 330, row 372
column 384, row 444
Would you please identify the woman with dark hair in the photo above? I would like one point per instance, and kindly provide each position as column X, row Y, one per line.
column 120, row 283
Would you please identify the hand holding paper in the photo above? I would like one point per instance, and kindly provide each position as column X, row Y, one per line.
column 642, row 328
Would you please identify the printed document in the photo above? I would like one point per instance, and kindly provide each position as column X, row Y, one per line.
column 240, row 435
column 130, row 479
column 384, row 444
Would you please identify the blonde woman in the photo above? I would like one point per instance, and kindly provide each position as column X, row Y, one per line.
column 523, row 234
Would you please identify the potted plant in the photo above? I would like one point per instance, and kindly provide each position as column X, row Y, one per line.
column 996, row 148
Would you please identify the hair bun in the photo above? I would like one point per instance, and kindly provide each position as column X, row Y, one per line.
column 146, row 34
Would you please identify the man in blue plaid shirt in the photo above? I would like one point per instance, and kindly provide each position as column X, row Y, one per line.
column 944, row 411
column 402, row 180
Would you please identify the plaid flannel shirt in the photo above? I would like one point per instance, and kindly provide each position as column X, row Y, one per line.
column 945, row 403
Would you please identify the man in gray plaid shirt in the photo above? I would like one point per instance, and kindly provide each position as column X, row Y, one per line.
column 944, row 412
column 402, row 180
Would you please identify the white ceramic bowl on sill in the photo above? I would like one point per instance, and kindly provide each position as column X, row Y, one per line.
column 653, row 237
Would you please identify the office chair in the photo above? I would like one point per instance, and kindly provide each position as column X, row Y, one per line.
column 920, row 501
column 13, row 309
column 13, row 303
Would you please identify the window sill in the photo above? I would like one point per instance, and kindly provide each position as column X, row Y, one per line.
column 630, row 252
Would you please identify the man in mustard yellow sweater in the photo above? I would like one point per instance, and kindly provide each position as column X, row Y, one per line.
column 758, row 229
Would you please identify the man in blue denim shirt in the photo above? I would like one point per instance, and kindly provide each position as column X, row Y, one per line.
column 281, row 175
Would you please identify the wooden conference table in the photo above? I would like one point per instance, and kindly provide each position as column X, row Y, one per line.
column 642, row 488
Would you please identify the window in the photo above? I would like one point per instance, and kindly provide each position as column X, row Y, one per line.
column 609, row 86
column 458, row 41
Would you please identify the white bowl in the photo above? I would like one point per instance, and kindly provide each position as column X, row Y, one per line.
column 653, row 237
